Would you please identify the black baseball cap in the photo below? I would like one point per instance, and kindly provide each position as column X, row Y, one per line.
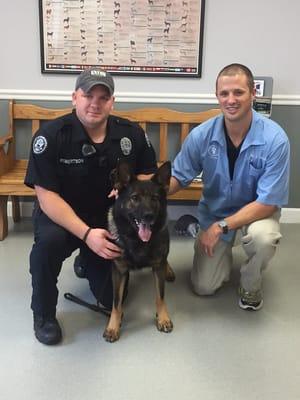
column 94, row 76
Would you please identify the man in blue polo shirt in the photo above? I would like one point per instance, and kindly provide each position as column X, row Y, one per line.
column 244, row 160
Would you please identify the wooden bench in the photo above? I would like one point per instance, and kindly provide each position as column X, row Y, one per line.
column 12, row 171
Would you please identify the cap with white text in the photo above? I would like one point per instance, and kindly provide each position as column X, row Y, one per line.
column 94, row 76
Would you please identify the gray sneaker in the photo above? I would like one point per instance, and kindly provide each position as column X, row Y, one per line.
column 252, row 301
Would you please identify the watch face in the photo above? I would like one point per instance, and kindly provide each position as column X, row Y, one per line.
column 224, row 226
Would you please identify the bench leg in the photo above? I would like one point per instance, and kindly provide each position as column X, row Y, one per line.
column 15, row 208
column 3, row 217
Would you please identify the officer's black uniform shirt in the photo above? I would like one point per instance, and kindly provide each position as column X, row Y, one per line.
column 63, row 159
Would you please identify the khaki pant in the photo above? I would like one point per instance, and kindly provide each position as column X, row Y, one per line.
column 259, row 241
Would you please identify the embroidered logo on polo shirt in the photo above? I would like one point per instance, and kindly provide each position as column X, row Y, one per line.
column 39, row 145
column 126, row 146
column 213, row 150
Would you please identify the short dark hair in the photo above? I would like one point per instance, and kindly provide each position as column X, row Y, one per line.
column 234, row 69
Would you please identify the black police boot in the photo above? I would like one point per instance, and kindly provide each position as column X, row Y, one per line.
column 79, row 267
column 47, row 329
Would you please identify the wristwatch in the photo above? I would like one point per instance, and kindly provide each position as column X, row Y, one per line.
column 224, row 226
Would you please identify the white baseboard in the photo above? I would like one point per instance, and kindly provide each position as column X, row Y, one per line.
column 288, row 215
column 25, row 208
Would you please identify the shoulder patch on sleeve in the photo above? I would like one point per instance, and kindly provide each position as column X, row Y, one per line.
column 39, row 145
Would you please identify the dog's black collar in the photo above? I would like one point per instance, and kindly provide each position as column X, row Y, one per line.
column 117, row 241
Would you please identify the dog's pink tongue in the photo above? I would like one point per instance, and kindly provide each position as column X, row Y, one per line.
column 144, row 232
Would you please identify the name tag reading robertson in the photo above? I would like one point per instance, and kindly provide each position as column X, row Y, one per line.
column 69, row 161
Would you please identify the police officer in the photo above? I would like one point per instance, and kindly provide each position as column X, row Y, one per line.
column 69, row 167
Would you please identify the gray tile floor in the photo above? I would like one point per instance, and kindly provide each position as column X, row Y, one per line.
column 216, row 350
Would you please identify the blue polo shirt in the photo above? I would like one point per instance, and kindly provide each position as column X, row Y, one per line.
column 261, row 170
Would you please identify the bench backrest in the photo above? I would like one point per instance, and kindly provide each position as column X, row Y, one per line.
column 162, row 117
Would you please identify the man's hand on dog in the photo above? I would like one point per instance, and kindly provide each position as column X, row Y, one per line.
column 113, row 193
column 99, row 240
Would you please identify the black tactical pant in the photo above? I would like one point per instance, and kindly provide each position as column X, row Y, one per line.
column 52, row 245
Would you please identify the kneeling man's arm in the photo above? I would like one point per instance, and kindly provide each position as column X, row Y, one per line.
column 174, row 185
column 250, row 213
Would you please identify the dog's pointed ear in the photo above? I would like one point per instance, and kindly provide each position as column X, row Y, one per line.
column 122, row 175
column 163, row 175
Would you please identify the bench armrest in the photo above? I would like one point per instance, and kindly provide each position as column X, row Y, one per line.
column 6, row 154
column 5, row 139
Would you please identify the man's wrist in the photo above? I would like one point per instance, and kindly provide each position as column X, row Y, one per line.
column 224, row 226
column 85, row 236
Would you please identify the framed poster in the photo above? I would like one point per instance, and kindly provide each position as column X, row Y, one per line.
column 128, row 37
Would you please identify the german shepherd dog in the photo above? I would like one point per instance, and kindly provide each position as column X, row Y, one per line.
column 138, row 220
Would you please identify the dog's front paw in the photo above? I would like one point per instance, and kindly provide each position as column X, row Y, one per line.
column 170, row 274
column 111, row 335
column 164, row 325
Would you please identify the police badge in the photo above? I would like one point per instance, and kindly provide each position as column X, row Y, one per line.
column 126, row 146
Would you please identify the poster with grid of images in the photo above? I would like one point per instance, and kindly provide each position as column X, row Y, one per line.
column 130, row 37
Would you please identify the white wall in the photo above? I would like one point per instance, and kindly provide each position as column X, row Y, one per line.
column 265, row 35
